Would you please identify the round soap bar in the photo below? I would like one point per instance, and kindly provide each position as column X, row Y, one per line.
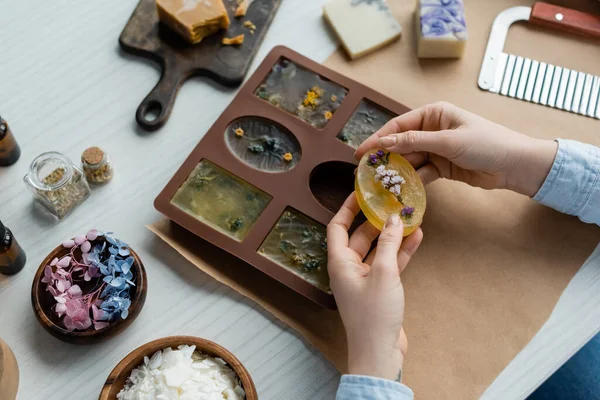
column 387, row 184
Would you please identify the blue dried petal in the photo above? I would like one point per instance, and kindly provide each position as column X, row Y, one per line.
column 124, row 251
column 113, row 250
column 130, row 261
column 107, row 279
column 126, row 268
column 124, row 313
column 118, row 282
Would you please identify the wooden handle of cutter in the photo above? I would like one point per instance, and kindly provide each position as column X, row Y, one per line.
column 565, row 19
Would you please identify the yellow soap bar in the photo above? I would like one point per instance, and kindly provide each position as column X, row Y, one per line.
column 362, row 26
column 387, row 184
column 193, row 19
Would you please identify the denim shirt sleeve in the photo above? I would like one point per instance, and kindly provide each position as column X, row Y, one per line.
column 359, row 387
column 573, row 184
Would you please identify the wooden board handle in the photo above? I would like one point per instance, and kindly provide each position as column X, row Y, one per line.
column 154, row 111
column 565, row 19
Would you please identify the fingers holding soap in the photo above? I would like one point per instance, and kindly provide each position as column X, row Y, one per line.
column 337, row 229
column 412, row 120
column 362, row 239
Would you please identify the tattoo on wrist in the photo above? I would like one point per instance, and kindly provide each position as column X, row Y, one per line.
column 399, row 376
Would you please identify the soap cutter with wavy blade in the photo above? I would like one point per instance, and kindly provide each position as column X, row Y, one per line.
column 536, row 81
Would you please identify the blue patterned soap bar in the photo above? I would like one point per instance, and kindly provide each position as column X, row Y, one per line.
column 442, row 29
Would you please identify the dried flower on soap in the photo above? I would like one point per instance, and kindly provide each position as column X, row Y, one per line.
column 288, row 157
column 239, row 132
column 328, row 115
column 390, row 179
column 104, row 266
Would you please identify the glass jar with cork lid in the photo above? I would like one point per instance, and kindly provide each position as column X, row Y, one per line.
column 97, row 166
column 57, row 183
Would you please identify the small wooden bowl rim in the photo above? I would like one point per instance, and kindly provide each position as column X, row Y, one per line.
column 40, row 312
column 136, row 358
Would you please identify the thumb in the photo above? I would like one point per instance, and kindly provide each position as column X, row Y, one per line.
column 437, row 142
column 388, row 245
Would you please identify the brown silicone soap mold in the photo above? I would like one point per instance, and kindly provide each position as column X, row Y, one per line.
column 268, row 176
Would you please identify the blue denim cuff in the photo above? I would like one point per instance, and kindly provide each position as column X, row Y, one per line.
column 359, row 387
column 573, row 184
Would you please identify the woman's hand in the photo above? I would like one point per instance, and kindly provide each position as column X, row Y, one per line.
column 368, row 289
column 444, row 141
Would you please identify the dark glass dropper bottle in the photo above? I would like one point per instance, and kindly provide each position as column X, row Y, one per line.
column 12, row 256
column 9, row 149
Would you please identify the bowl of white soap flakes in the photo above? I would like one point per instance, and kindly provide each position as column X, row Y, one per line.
column 179, row 368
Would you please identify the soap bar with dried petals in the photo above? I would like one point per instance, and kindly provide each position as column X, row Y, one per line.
column 362, row 25
column 193, row 19
column 442, row 29
column 387, row 184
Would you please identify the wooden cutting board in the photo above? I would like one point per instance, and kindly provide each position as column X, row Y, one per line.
column 146, row 37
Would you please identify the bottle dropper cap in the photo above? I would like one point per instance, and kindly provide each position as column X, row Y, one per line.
column 2, row 231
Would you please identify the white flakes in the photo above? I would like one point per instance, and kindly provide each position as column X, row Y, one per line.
column 182, row 374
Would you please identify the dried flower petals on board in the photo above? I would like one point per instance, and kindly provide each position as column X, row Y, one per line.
column 182, row 374
column 91, row 284
column 387, row 184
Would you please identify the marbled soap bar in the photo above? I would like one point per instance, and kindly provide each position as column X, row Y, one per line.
column 362, row 25
column 193, row 19
column 442, row 29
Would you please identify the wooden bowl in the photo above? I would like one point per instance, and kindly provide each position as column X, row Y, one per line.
column 9, row 373
column 43, row 301
column 117, row 378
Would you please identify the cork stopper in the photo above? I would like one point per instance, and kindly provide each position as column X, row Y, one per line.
column 92, row 156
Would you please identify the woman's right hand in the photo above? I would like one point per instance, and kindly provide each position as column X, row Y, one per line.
column 443, row 141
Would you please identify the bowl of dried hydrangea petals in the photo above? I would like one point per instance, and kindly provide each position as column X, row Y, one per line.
column 179, row 367
column 89, row 288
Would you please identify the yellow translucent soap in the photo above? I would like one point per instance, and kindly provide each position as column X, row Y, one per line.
column 387, row 184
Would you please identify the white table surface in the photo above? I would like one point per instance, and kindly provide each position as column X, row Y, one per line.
column 65, row 85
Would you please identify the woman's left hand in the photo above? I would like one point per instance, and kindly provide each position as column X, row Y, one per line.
column 368, row 289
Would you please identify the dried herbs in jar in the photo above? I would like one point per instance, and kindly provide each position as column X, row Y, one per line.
column 57, row 184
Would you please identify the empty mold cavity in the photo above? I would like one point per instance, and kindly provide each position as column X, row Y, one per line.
column 301, row 92
column 263, row 144
column 299, row 244
column 220, row 199
column 366, row 120
column 331, row 183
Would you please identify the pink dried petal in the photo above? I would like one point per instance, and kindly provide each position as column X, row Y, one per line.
column 98, row 302
column 47, row 274
column 64, row 262
column 86, row 276
column 75, row 291
column 61, row 272
column 61, row 308
column 68, row 321
column 92, row 235
column 79, row 240
column 52, row 290
column 61, row 285
column 53, row 263
column 72, row 308
column 86, row 247
column 93, row 271
column 69, row 243
column 81, row 314
column 85, row 258
column 60, row 300
column 100, row 325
